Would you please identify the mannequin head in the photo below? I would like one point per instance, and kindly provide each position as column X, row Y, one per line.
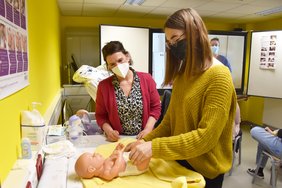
column 89, row 165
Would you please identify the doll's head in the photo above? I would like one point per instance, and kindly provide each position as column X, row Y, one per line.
column 89, row 165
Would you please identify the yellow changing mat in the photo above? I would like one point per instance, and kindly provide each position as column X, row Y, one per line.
column 164, row 174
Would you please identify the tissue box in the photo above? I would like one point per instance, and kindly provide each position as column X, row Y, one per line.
column 35, row 135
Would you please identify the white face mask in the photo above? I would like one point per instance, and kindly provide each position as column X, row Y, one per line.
column 215, row 49
column 121, row 69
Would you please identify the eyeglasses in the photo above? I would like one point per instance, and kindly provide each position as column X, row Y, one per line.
column 174, row 44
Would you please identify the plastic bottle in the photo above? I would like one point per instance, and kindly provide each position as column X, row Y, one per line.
column 75, row 129
column 26, row 148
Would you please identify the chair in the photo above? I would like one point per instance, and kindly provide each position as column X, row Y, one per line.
column 236, row 149
column 275, row 165
column 164, row 106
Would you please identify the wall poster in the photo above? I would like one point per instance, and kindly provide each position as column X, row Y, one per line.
column 268, row 52
column 265, row 68
column 13, row 47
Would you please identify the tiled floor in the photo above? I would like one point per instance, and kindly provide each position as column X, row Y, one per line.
column 240, row 178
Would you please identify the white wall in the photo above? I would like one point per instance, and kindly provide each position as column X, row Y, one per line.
column 135, row 40
column 232, row 47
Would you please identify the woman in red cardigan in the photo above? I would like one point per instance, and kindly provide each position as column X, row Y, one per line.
column 128, row 102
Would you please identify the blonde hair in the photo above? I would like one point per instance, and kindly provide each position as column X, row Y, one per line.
column 198, row 52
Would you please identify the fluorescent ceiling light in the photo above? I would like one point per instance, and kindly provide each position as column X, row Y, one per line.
column 270, row 11
column 134, row 2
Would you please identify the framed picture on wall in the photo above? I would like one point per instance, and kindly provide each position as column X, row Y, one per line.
column 14, row 65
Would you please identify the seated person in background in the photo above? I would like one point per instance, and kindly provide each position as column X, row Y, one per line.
column 127, row 102
column 215, row 50
column 236, row 128
column 90, row 165
column 268, row 140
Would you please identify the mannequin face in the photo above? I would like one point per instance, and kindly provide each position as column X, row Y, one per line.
column 87, row 164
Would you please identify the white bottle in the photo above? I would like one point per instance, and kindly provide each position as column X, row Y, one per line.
column 75, row 130
column 26, row 148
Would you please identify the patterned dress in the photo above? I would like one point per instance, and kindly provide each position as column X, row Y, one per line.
column 130, row 108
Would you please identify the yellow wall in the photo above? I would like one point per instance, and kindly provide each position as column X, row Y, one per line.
column 44, row 78
column 90, row 22
column 72, row 23
column 251, row 110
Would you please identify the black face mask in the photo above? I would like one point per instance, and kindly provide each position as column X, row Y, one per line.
column 179, row 49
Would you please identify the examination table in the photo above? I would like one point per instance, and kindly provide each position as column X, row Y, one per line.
column 60, row 173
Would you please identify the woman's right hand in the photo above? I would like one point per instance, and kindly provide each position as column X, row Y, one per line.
column 112, row 135
column 141, row 152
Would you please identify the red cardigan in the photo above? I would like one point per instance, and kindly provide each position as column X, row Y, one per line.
column 106, row 106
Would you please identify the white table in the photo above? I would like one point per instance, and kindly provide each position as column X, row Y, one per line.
column 60, row 173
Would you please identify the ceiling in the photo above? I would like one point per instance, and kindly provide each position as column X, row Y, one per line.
column 232, row 11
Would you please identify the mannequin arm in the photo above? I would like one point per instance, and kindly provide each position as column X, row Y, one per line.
column 115, row 163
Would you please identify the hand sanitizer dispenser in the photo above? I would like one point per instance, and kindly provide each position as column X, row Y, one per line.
column 32, row 124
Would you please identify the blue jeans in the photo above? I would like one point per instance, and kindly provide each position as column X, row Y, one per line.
column 266, row 142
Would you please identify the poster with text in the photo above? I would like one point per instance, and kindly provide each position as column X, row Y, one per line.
column 268, row 52
column 13, row 47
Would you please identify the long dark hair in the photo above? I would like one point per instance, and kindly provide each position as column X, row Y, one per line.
column 198, row 52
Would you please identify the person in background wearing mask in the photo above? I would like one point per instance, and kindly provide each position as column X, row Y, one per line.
column 128, row 102
column 196, row 130
column 215, row 50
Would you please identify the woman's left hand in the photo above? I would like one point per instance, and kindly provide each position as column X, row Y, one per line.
column 141, row 152
column 274, row 133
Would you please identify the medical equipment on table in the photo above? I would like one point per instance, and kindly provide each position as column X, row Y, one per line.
column 75, row 129
column 60, row 173
column 33, row 126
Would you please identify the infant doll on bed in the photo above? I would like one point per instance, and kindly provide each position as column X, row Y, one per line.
column 90, row 165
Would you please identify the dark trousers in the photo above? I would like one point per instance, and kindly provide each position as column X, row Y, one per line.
column 210, row 183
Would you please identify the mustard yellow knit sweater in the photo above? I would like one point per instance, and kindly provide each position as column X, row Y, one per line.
column 197, row 126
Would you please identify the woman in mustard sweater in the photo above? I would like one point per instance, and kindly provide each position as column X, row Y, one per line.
column 197, row 127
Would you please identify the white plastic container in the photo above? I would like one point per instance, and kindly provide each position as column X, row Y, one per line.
column 35, row 135
column 75, row 129
column 26, row 148
column 33, row 126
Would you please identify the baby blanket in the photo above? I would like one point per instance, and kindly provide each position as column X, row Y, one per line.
column 161, row 173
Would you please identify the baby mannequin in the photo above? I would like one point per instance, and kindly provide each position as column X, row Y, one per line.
column 90, row 165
